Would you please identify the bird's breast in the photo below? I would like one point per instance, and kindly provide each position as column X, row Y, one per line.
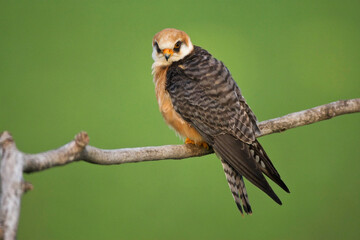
column 172, row 118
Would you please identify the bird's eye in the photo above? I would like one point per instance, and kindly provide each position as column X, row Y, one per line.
column 177, row 46
column 157, row 47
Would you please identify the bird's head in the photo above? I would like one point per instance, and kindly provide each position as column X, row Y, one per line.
column 170, row 45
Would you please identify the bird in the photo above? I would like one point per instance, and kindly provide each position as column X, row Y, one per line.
column 200, row 100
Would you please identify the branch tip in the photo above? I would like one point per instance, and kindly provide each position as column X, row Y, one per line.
column 26, row 186
column 82, row 139
column 5, row 137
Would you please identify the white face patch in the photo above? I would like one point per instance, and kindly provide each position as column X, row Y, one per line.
column 165, row 43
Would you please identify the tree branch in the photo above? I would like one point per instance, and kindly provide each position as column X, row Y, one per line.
column 14, row 162
column 309, row 116
column 11, row 186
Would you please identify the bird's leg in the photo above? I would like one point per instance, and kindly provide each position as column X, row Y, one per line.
column 202, row 144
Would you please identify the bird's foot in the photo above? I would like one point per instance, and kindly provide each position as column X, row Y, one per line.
column 189, row 141
column 201, row 144
column 205, row 145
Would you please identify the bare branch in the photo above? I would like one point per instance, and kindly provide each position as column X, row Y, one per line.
column 14, row 162
column 77, row 149
column 127, row 155
column 63, row 155
column 309, row 116
column 68, row 153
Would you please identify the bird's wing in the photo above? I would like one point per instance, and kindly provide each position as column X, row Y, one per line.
column 263, row 162
column 248, row 110
column 202, row 89
column 204, row 94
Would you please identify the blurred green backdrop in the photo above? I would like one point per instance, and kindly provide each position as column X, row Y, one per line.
column 68, row 66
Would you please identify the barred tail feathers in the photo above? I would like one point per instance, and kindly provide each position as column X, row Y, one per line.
column 237, row 188
column 243, row 194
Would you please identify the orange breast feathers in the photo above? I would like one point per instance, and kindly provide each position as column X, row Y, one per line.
column 172, row 118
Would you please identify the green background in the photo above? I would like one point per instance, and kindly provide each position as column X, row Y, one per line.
column 68, row 66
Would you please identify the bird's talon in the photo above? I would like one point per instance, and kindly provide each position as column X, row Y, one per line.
column 189, row 141
column 205, row 145
column 201, row 144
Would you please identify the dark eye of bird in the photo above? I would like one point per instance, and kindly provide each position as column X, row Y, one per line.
column 177, row 46
column 157, row 47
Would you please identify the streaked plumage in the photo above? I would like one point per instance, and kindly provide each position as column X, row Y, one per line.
column 198, row 97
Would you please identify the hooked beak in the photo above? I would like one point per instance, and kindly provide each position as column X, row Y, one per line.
column 168, row 53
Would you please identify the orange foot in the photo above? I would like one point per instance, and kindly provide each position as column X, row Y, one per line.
column 203, row 144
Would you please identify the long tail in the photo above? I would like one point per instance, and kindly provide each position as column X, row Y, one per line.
column 250, row 161
column 237, row 188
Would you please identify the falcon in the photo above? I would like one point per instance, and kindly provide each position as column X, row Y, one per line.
column 200, row 100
